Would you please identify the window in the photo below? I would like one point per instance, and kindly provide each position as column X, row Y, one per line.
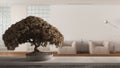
column 42, row 11
column 4, row 23
column 4, row 19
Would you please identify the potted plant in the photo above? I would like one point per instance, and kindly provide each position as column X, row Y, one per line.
column 35, row 31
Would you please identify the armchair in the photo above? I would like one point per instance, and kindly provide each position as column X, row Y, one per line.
column 99, row 47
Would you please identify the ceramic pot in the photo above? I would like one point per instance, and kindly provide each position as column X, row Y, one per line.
column 39, row 56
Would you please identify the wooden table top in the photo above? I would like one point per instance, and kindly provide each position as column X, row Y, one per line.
column 55, row 54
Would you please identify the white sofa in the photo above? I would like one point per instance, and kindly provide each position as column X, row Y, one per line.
column 99, row 47
column 68, row 47
column 85, row 46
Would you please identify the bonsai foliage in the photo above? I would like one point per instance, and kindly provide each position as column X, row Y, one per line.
column 34, row 30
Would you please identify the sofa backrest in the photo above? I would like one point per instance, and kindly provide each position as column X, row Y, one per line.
column 82, row 46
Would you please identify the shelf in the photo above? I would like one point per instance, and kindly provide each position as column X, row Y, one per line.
column 55, row 54
column 86, row 54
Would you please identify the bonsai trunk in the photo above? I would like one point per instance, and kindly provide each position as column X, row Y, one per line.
column 36, row 49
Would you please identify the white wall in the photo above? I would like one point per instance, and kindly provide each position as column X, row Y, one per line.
column 78, row 22
column 18, row 12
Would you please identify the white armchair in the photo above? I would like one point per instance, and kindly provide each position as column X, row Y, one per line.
column 68, row 48
column 99, row 47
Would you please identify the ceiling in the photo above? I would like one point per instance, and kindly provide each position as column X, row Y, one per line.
column 69, row 2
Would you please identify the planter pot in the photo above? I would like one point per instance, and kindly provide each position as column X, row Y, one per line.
column 39, row 56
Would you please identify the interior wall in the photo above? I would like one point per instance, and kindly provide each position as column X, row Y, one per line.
column 18, row 12
column 78, row 22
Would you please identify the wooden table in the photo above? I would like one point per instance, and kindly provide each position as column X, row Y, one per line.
column 89, row 55
column 61, row 62
column 55, row 54
column 18, row 60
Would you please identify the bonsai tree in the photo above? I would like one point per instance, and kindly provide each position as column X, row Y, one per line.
column 33, row 30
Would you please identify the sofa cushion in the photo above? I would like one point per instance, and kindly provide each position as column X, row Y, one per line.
column 116, row 47
column 68, row 48
column 99, row 47
column 67, row 43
